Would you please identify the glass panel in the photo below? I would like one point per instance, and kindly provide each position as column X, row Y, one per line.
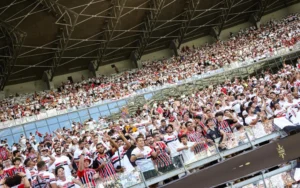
column 17, row 129
column 17, row 137
column 112, row 105
column 52, row 120
column 93, row 110
column 75, row 120
column 122, row 103
column 40, row 123
column 83, row 113
column 5, row 132
column 62, row 118
column 53, row 127
column 29, row 126
column 73, row 115
column 103, row 108
column 95, row 116
column 43, row 130
column 105, row 113
column 115, row 110
column 30, row 131
column 10, row 140
column 148, row 96
column 84, row 118
column 65, row 124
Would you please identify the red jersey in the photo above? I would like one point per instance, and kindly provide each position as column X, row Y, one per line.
column 3, row 153
column 86, row 177
column 4, row 175
column 16, row 170
column 9, row 170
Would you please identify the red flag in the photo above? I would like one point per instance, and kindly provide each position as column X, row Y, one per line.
column 39, row 134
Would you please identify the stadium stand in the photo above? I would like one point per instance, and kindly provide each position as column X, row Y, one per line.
column 163, row 141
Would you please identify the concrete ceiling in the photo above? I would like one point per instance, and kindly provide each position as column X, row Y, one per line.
column 64, row 36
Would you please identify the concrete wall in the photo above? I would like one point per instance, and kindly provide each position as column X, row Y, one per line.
column 27, row 87
column 294, row 8
column 281, row 13
column 121, row 65
column 200, row 41
column 76, row 76
column 158, row 55
column 226, row 32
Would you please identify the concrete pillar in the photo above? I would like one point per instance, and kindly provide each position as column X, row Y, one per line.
column 255, row 20
column 93, row 67
column 47, row 79
column 215, row 32
column 174, row 47
column 134, row 59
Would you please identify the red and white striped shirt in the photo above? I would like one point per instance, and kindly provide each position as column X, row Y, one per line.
column 86, row 177
column 163, row 159
column 108, row 170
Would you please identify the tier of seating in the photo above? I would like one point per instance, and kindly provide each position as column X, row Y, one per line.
column 249, row 45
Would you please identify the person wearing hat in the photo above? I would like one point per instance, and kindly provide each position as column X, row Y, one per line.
column 86, row 174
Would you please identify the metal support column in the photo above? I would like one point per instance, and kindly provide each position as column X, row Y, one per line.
column 191, row 8
column 228, row 4
column 149, row 26
column 110, row 27
column 13, row 41
column 67, row 19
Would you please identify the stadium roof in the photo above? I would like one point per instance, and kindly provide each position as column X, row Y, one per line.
column 66, row 35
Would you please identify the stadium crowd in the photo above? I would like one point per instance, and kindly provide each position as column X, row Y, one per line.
column 158, row 138
column 249, row 45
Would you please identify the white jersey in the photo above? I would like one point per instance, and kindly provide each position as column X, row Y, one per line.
column 187, row 154
column 43, row 179
column 63, row 161
column 68, row 183
column 121, row 159
column 172, row 142
column 144, row 163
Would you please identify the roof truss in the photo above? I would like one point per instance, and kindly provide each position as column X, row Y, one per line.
column 149, row 25
column 110, row 27
column 10, row 49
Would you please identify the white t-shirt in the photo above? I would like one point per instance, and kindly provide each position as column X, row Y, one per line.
column 258, row 129
column 143, row 163
column 280, row 113
column 187, row 154
column 172, row 142
column 65, row 162
column 68, row 183
column 124, row 162
column 42, row 179
column 78, row 152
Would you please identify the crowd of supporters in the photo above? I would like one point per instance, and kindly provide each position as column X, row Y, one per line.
column 249, row 45
column 158, row 138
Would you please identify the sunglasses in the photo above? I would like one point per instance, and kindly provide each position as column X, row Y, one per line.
column 57, row 151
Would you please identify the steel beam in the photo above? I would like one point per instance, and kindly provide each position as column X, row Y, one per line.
column 117, row 8
column 14, row 39
column 228, row 5
column 67, row 19
column 156, row 7
column 190, row 8
column 262, row 6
